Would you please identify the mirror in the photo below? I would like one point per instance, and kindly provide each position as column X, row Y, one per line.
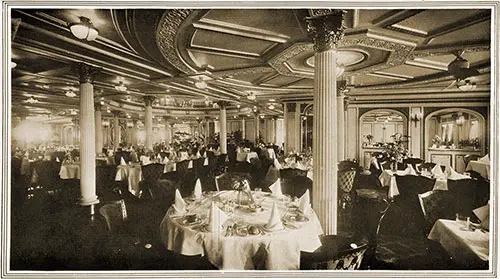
column 378, row 127
column 458, row 129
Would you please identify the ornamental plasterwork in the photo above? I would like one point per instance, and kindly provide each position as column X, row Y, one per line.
column 447, row 51
column 398, row 54
column 166, row 37
column 245, row 71
column 326, row 29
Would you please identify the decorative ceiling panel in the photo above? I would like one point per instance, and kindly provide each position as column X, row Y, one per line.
column 480, row 31
column 221, row 63
column 432, row 19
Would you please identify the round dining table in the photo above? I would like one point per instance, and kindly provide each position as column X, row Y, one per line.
column 132, row 173
column 236, row 246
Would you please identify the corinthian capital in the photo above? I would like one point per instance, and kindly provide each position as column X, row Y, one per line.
column 326, row 29
column 86, row 72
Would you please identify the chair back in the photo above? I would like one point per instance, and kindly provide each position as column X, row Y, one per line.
column 296, row 186
column 470, row 157
column 413, row 161
column 385, row 165
column 464, row 192
column 226, row 181
column 427, row 165
column 152, row 172
column 291, row 173
column 436, row 205
column 346, row 180
column 115, row 215
column 336, row 253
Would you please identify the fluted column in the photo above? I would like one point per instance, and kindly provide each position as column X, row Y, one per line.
column 171, row 132
column 257, row 126
column 98, row 128
column 148, row 121
column 243, row 129
column 87, row 137
column 325, row 30
column 116, row 128
column 275, row 129
column 223, row 127
column 166, row 120
column 207, row 128
column 340, row 121
column 133, row 133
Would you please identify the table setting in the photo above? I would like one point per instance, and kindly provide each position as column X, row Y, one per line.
column 242, row 229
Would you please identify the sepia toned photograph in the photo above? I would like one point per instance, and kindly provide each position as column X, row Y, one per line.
column 249, row 139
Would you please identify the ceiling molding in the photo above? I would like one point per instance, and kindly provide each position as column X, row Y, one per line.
column 394, row 17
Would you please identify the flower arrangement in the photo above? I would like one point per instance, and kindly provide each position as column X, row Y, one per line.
column 397, row 150
column 369, row 138
column 437, row 140
column 241, row 185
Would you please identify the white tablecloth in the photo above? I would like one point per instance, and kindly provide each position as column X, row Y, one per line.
column 273, row 250
column 132, row 174
column 70, row 171
column 170, row 167
column 482, row 168
column 466, row 247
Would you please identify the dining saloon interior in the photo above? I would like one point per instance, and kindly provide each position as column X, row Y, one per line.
column 250, row 139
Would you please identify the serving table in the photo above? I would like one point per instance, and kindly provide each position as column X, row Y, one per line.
column 236, row 246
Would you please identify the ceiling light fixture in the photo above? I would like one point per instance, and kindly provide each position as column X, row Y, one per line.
column 467, row 86
column 70, row 93
column 128, row 98
column 238, row 106
column 121, row 87
column 73, row 112
column 271, row 106
column 84, row 30
column 251, row 96
column 201, row 84
column 31, row 100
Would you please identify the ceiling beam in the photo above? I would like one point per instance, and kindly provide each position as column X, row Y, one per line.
column 30, row 76
column 394, row 17
column 457, row 25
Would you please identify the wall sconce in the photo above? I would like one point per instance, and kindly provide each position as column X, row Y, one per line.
column 416, row 118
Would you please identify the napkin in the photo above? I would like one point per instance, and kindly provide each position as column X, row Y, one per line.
column 180, row 204
column 216, row 219
column 410, row 170
column 198, row 155
column 190, row 164
column 165, row 161
column 158, row 156
column 276, row 188
column 437, row 171
column 246, row 149
column 274, row 223
column 453, row 175
column 205, row 162
column 305, row 202
column 197, row 189
column 57, row 160
column 483, row 214
column 485, row 159
column 122, row 161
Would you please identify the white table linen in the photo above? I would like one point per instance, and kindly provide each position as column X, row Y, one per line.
column 278, row 250
column 70, row 171
column 482, row 168
column 132, row 174
column 466, row 247
column 246, row 156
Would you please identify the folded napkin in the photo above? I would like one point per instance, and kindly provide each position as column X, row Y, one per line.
column 197, row 189
column 453, row 175
column 179, row 204
column 205, row 162
column 485, row 159
column 274, row 223
column 158, row 156
column 190, row 164
column 122, row 161
column 276, row 188
column 145, row 160
column 374, row 162
column 437, row 171
column 270, row 152
column 246, row 149
column 216, row 219
column 198, row 155
column 166, row 160
column 57, row 160
column 183, row 155
column 410, row 170
column 305, row 202
column 483, row 214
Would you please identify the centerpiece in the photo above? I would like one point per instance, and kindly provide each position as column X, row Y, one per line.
column 397, row 150
column 244, row 193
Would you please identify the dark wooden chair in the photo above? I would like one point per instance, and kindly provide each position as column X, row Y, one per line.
column 291, row 173
column 226, row 181
column 436, row 205
column 346, row 184
column 464, row 194
column 296, row 186
column 151, row 174
column 470, row 157
column 335, row 253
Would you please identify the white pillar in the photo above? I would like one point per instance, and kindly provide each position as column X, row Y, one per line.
column 340, row 125
column 325, row 30
column 223, row 127
column 257, row 127
column 98, row 128
column 116, row 128
column 87, row 137
column 207, row 128
column 148, row 121
column 167, row 128
column 243, row 129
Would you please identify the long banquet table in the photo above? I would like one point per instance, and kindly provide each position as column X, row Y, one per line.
column 278, row 250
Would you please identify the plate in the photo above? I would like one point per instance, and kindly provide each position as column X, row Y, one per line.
column 264, row 228
column 296, row 218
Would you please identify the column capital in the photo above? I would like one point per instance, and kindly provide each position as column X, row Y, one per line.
column 98, row 106
column 223, row 104
column 148, row 100
column 116, row 113
column 326, row 28
column 86, row 72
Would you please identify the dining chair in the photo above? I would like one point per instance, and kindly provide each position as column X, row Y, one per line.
column 470, row 157
column 296, row 186
column 346, row 184
column 335, row 253
column 151, row 174
column 464, row 193
column 436, row 205
column 226, row 181
column 292, row 172
column 413, row 161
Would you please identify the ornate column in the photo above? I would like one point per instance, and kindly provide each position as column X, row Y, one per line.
column 275, row 129
column 116, row 128
column 207, row 128
column 87, row 137
column 133, row 133
column 243, row 129
column 341, row 86
column 98, row 128
column 166, row 120
column 223, row 127
column 325, row 30
column 171, row 132
column 148, row 121
column 257, row 126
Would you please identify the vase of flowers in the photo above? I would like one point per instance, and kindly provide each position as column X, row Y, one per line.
column 436, row 141
column 397, row 150
column 244, row 193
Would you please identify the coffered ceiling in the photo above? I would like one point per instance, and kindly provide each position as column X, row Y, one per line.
column 387, row 55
